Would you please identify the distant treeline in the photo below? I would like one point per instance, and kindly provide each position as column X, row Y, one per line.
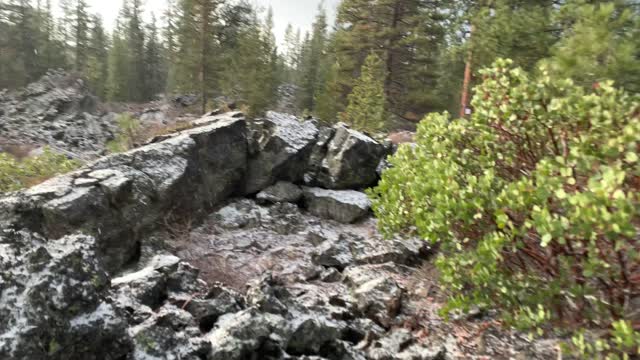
column 417, row 51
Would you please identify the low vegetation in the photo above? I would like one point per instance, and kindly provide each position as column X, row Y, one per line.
column 534, row 202
column 17, row 174
column 131, row 133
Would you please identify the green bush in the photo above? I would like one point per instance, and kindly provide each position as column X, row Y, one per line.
column 534, row 204
column 15, row 174
column 129, row 133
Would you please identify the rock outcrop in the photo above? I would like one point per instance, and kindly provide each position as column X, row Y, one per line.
column 59, row 111
column 53, row 301
column 282, row 191
column 94, row 264
column 345, row 206
column 281, row 148
column 120, row 196
column 351, row 160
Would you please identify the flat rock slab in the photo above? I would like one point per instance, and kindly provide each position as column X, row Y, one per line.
column 282, row 191
column 345, row 206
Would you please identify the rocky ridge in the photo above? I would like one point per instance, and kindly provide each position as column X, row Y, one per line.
column 59, row 111
column 88, row 265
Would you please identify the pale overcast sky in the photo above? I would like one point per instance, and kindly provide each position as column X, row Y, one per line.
column 299, row 13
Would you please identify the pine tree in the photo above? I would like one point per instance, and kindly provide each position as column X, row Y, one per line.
column 80, row 36
column 313, row 51
column 65, row 26
column 366, row 109
column 408, row 35
column 135, row 51
column 51, row 50
column 273, row 66
column 97, row 63
column 28, row 47
column 602, row 44
column 171, row 50
column 118, row 79
column 12, row 64
column 520, row 30
column 291, row 53
column 329, row 89
column 194, row 68
column 327, row 108
column 27, row 38
column 155, row 72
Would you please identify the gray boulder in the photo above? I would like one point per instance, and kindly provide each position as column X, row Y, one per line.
column 317, row 235
column 266, row 294
column 249, row 334
column 118, row 197
column 401, row 344
column 240, row 214
column 281, row 191
column 281, row 150
column 379, row 251
column 310, row 333
column 333, row 254
column 165, row 275
column 53, row 302
column 153, row 116
column 185, row 100
column 388, row 347
column 318, row 154
column 378, row 297
column 351, row 160
column 169, row 334
column 206, row 310
column 330, row 275
column 345, row 206
column 146, row 287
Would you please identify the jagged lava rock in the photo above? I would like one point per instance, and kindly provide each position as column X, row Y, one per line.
column 351, row 160
column 57, row 110
column 53, row 302
column 170, row 333
column 282, row 191
column 318, row 154
column 333, row 254
column 345, row 206
column 378, row 297
column 282, row 148
column 118, row 196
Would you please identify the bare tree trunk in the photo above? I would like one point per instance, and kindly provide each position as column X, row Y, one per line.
column 203, row 53
column 464, row 101
column 396, row 17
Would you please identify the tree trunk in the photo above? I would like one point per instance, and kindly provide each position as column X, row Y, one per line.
column 391, row 42
column 203, row 53
column 464, row 101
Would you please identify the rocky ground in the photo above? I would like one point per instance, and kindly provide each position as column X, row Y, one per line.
column 378, row 297
column 59, row 111
column 287, row 99
column 234, row 239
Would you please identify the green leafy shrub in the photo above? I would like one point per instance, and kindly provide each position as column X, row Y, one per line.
column 534, row 203
column 16, row 174
column 129, row 134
